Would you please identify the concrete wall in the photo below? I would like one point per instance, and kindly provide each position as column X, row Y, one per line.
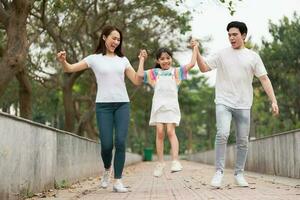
column 275, row 155
column 34, row 156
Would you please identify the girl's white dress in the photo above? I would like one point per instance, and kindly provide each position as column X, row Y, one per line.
column 165, row 106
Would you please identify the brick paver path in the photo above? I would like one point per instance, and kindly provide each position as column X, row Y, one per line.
column 191, row 183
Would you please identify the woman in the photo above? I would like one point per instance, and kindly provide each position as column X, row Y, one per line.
column 112, row 102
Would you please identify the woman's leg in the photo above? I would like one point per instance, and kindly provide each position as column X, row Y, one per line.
column 121, row 119
column 173, row 140
column 104, row 114
column 160, row 135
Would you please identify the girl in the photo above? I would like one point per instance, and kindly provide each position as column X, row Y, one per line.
column 112, row 103
column 165, row 112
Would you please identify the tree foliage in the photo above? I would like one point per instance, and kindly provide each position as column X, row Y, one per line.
column 281, row 57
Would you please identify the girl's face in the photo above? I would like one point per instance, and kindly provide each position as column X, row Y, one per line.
column 112, row 41
column 165, row 61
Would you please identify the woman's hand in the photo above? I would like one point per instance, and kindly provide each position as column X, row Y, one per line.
column 61, row 56
column 143, row 54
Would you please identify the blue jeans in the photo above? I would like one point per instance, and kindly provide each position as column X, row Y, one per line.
column 241, row 117
column 113, row 117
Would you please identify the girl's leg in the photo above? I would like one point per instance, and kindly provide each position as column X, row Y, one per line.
column 104, row 114
column 121, row 119
column 173, row 140
column 160, row 135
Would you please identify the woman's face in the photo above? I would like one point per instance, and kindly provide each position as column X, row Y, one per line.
column 165, row 61
column 112, row 41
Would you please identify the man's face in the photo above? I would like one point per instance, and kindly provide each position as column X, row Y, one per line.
column 236, row 39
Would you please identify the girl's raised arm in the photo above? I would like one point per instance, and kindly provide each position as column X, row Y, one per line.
column 194, row 46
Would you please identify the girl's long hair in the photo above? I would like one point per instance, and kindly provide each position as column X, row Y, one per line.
column 158, row 55
column 101, row 48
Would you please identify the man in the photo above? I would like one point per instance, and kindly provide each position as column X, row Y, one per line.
column 236, row 67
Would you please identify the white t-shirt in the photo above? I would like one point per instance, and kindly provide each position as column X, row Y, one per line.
column 235, row 70
column 109, row 72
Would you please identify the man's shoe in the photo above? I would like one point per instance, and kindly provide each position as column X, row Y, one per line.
column 217, row 179
column 240, row 180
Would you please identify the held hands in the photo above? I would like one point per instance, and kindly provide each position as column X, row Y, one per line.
column 143, row 55
column 61, row 56
column 194, row 43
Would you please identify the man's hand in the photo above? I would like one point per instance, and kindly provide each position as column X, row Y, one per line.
column 275, row 109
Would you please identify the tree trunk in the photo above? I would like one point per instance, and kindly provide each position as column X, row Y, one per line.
column 69, row 80
column 25, row 95
column 84, row 128
column 14, row 21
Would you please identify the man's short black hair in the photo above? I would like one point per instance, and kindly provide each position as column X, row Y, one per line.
column 240, row 25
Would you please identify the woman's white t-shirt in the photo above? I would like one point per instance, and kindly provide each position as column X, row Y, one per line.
column 109, row 72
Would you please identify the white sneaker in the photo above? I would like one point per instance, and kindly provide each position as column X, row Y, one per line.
column 119, row 187
column 105, row 178
column 159, row 169
column 240, row 180
column 176, row 166
column 217, row 179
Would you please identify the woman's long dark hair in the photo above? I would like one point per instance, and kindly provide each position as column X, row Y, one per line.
column 101, row 48
column 158, row 55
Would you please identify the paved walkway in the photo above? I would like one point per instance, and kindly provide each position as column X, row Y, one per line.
column 191, row 183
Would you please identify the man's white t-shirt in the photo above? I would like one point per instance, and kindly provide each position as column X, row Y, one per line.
column 235, row 70
column 109, row 72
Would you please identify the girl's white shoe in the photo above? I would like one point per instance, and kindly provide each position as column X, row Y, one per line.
column 119, row 187
column 159, row 169
column 176, row 166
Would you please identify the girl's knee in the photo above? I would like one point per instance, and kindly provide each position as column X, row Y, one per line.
column 171, row 133
column 160, row 136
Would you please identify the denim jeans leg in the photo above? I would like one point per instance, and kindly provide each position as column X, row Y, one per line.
column 242, row 123
column 121, row 119
column 223, row 117
column 104, row 114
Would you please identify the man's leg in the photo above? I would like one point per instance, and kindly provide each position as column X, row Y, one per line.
column 242, row 122
column 223, row 116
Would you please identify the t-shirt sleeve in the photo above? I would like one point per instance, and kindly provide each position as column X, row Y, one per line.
column 213, row 61
column 89, row 60
column 181, row 73
column 259, row 68
column 150, row 76
column 127, row 63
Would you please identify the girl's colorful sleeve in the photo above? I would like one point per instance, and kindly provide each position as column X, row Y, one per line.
column 181, row 74
column 150, row 76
